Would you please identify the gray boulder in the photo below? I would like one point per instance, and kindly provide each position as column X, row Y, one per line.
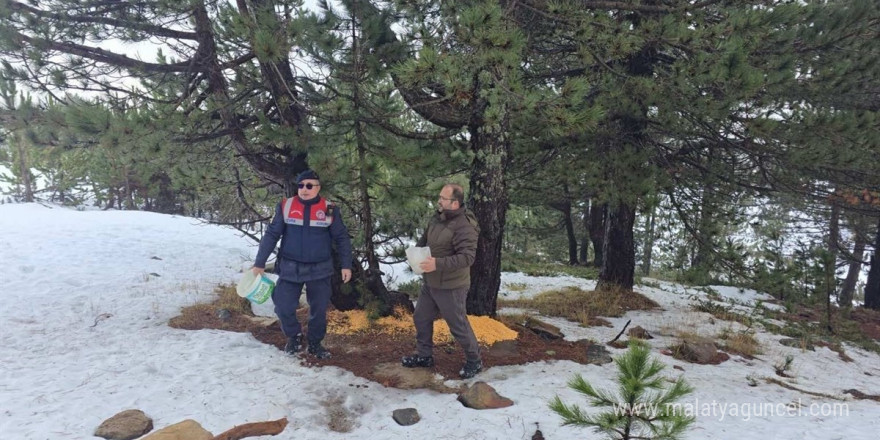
column 127, row 425
column 406, row 416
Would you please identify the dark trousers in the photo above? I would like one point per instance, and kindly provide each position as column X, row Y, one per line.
column 286, row 298
column 451, row 305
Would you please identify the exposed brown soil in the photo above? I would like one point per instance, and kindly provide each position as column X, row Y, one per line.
column 361, row 352
column 861, row 396
column 869, row 322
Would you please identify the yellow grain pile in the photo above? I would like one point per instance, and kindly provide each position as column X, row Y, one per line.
column 356, row 321
column 487, row 330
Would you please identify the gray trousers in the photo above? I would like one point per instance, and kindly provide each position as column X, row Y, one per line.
column 450, row 304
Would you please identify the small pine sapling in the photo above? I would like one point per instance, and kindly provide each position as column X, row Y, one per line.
column 641, row 409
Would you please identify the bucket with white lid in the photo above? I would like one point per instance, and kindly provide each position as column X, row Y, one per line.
column 256, row 288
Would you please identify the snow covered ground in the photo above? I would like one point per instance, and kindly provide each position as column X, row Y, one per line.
column 83, row 335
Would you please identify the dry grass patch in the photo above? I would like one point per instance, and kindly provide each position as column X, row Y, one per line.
column 841, row 352
column 692, row 337
column 511, row 319
column 723, row 313
column 199, row 316
column 516, row 287
column 583, row 306
column 193, row 317
column 741, row 343
column 230, row 300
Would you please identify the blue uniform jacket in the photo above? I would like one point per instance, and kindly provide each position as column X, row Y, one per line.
column 305, row 249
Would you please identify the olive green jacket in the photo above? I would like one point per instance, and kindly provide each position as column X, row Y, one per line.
column 452, row 237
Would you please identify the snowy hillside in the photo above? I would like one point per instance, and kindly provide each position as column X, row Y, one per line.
column 87, row 295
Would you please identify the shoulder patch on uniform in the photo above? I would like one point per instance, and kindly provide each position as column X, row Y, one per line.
column 331, row 207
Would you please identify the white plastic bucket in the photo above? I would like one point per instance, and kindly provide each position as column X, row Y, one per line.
column 255, row 288
column 415, row 255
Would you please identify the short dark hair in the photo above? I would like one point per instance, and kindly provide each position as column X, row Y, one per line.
column 457, row 193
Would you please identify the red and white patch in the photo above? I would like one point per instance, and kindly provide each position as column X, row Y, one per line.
column 294, row 213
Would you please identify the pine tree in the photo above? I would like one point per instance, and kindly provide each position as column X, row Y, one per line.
column 830, row 126
column 19, row 115
column 469, row 75
column 368, row 144
column 641, row 409
column 224, row 68
column 702, row 89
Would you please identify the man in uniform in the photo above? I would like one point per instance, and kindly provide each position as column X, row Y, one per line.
column 307, row 225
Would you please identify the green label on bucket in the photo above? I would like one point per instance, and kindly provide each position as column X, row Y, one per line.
column 262, row 292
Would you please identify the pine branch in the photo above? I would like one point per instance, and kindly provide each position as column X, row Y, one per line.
column 101, row 55
column 142, row 26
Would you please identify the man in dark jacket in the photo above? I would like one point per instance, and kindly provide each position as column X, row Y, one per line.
column 452, row 236
column 308, row 226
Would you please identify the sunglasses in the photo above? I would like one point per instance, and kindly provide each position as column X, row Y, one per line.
column 308, row 185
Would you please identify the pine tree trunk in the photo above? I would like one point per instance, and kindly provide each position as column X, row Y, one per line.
column 872, row 288
column 119, row 197
column 111, row 200
column 565, row 208
column 597, row 231
column 58, row 194
column 585, row 239
column 363, row 183
column 364, row 288
column 129, row 192
column 706, row 230
column 572, row 239
column 852, row 274
column 371, row 278
column 488, row 200
column 366, row 210
column 618, row 249
column 619, row 262
column 831, row 260
column 648, row 251
column 24, row 170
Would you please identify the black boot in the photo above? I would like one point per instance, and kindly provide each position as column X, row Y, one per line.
column 316, row 349
column 416, row 361
column 294, row 344
column 470, row 369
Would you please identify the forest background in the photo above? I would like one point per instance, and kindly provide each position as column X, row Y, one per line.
column 722, row 142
